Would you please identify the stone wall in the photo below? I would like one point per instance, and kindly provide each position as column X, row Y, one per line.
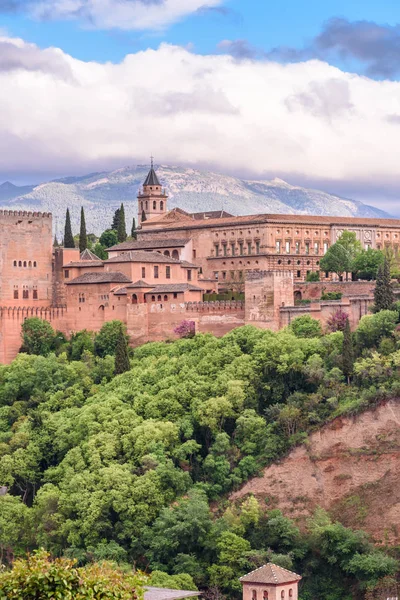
column 266, row 292
column 355, row 308
column 311, row 291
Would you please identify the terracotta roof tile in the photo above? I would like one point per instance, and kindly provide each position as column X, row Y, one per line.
column 270, row 574
column 142, row 256
column 139, row 284
column 153, row 593
column 150, row 244
column 103, row 277
column 89, row 255
column 174, row 287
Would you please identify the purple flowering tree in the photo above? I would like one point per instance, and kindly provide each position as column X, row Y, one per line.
column 187, row 329
column 337, row 321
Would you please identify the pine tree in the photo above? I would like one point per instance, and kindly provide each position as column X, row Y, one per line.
column 55, row 242
column 383, row 294
column 83, row 241
column 115, row 221
column 133, row 230
column 122, row 363
column 68, row 237
column 121, row 231
column 348, row 352
column 144, row 218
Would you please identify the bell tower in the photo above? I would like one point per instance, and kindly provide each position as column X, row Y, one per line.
column 152, row 199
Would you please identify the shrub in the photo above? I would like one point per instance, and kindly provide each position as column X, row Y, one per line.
column 332, row 296
column 40, row 577
column 337, row 321
column 312, row 276
column 372, row 328
column 187, row 329
column 38, row 336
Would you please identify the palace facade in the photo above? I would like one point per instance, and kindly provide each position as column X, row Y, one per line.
column 158, row 280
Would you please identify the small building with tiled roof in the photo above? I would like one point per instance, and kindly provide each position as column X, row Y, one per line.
column 155, row 593
column 179, row 248
column 270, row 582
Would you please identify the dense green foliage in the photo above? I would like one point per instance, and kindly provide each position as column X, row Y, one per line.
column 83, row 239
column 312, row 276
column 68, row 237
column 383, row 294
column 39, row 577
column 125, row 468
column 366, row 263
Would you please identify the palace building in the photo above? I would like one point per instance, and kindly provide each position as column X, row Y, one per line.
column 153, row 283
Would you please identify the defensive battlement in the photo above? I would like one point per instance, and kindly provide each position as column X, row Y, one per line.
column 24, row 213
column 23, row 312
column 257, row 275
column 215, row 306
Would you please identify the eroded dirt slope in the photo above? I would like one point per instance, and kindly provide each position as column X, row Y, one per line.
column 351, row 468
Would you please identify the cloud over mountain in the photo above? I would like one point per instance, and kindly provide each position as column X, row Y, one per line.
column 60, row 115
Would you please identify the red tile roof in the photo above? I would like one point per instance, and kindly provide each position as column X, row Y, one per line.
column 270, row 574
column 103, row 277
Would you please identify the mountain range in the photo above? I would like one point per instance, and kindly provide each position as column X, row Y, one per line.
column 193, row 190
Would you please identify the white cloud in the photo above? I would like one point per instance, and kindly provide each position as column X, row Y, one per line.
column 308, row 119
column 121, row 14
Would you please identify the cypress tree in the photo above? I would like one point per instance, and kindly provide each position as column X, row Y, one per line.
column 122, row 363
column 143, row 216
column 121, row 231
column 383, row 294
column 348, row 352
column 133, row 230
column 115, row 221
column 83, row 241
column 55, row 242
column 68, row 237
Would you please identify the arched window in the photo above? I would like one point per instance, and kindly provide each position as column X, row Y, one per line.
column 159, row 298
column 153, row 298
column 175, row 254
column 265, row 595
column 134, row 299
column 297, row 296
column 161, row 205
column 253, row 594
column 290, row 593
column 147, row 205
column 154, row 205
column 34, row 263
column 15, row 263
column 30, row 263
column 166, row 253
column 141, row 205
column 24, row 263
column 165, row 298
column 282, row 593
column 20, row 263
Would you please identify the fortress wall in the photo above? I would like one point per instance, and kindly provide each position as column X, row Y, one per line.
column 266, row 292
column 311, row 291
column 355, row 307
column 25, row 258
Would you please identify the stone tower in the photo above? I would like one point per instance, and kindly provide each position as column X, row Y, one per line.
column 270, row 582
column 152, row 199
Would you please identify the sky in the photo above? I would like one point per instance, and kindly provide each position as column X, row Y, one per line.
column 306, row 91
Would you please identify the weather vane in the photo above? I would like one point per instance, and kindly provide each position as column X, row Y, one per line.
column 152, row 159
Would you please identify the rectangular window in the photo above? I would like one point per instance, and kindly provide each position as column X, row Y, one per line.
column 316, row 248
column 143, row 272
column 224, row 246
column 15, row 294
column 66, row 274
column 326, row 274
column 287, row 247
column 326, row 246
column 298, row 273
column 257, row 247
column 35, row 295
column 240, row 248
column 278, row 247
column 223, row 274
column 297, row 246
column 307, row 247
column 368, row 246
column 168, row 272
column 249, row 248
column 25, row 294
column 216, row 249
column 156, row 272
column 233, row 249
column 189, row 275
column 194, row 253
column 216, row 275
column 175, row 295
column 232, row 274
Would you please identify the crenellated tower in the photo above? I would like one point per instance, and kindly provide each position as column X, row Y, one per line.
column 152, row 199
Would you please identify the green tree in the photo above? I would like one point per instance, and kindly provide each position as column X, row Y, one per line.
column 38, row 336
column 373, row 328
column 121, row 231
column 107, row 339
column 115, row 221
column 55, row 241
column 340, row 256
column 83, row 240
column 312, row 276
column 108, row 238
column 133, row 230
column 306, row 327
column 68, row 237
column 122, row 363
column 383, row 294
column 100, row 251
column 367, row 262
column 144, row 218
column 348, row 351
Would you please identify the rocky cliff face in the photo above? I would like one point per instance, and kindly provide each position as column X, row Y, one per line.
column 351, row 468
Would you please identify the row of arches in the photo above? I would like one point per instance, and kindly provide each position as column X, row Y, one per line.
column 25, row 263
column 266, row 597
column 175, row 254
column 144, row 206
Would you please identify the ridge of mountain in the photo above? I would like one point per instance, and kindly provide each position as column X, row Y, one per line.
column 191, row 189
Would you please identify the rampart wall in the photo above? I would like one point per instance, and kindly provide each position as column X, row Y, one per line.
column 314, row 290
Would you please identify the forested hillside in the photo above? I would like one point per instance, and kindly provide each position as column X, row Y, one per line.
column 138, row 468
